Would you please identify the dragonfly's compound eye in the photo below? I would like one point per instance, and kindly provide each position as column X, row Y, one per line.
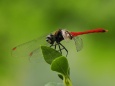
column 50, row 39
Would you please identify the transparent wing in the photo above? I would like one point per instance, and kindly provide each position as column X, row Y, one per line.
column 30, row 49
column 36, row 55
column 78, row 43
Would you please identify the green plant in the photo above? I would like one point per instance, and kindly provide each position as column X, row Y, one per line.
column 58, row 63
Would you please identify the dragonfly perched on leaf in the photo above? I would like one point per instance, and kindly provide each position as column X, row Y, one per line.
column 32, row 49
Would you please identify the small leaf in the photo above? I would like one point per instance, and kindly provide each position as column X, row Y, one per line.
column 60, row 65
column 49, row 54
column 60, row 76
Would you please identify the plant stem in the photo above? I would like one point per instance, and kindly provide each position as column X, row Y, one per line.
column 67, row 81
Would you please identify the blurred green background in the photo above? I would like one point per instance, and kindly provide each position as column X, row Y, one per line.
column 24, row 20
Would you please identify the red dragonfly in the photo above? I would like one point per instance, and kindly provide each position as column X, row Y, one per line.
column 32, row 48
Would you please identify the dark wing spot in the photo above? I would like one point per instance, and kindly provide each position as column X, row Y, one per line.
column 31, row 54
column 14, row 48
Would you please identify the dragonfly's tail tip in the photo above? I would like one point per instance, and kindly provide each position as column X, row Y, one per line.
column 106, row 30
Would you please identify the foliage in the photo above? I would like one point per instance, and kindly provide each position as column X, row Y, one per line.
column 58, row 63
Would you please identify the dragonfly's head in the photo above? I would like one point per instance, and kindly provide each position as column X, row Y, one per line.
column 50, row 38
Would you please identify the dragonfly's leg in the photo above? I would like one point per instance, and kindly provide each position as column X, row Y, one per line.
column 64, row 49
column 59, row 48
column 53, row 45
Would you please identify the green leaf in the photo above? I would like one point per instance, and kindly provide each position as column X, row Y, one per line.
column 49, row 54
column 60, row 65
column 60, row 76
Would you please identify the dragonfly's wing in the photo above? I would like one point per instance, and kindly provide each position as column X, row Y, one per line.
column 29, row 49
column 36, row 55
column 78, row 43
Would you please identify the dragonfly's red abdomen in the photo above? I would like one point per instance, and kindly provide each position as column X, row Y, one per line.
column 98, row 30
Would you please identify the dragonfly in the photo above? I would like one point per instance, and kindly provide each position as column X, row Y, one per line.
column 32, row 49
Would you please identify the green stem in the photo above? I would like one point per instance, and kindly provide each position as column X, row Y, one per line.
column 67, row 81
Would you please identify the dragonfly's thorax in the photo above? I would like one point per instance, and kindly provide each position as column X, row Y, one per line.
column 58, row 36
